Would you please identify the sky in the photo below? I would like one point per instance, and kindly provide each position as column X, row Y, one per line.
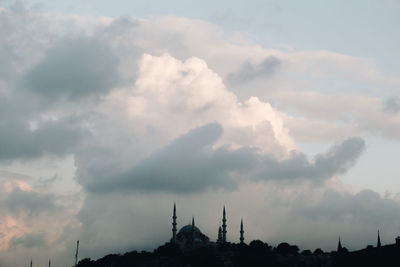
column 286, row 112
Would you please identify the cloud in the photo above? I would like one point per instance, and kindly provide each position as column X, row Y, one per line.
column 366, row 207
column 28, row 202
column 57, row 137
column 193, row 94
column 44, row 66
column 337, row 114
column 74, row 68
column 169, row 98
column 249, row 71
column 29, row 241
column 10, row 176
column 392, row 105
column 191, row 164
column 188, row 164
column 355, row 217
column 31, row 220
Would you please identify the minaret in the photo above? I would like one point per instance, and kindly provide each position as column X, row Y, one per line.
column 219, row 240
column 174, row 225
column 378, row 242
column 339, row 246
column 241, row 232
column 224, row 226
column 193, row 230
column 31, row 263
column 49, row 263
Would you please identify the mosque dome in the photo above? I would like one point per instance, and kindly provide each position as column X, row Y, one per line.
column 187, row 229
column 190, row 235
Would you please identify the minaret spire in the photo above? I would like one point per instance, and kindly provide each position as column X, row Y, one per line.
column 174, row 225
column 378, row 242
column 219, row 240
column 31, row 263
column 193, row 231
column 241, row 232
column 339, row 246
column 224, row 225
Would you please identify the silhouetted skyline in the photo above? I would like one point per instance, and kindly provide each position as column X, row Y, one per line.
column 190, row 247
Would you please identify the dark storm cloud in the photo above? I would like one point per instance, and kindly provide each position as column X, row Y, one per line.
column 28, row 241
column 190, row 164
column 392, row 105
column 250, row 71
column 18, row 201
column 74, row 68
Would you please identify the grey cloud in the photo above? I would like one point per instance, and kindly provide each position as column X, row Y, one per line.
column 190, row 164
column 315, row 216
column 28, row 241
column 249, row 71
column 392, row 105
column 365, row 207
column 30, row 202
column 122, row 25
column 9, row 45
column 338, row 160
column 74, row 68
column 7, row 175
column 60, row 137
column 355, row 217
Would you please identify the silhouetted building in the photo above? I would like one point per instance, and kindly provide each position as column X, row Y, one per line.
column 219, row 239
column 190, row 236
column 224, row 225
column 190, row 247
column 339, row 246
column 173, row 240
column 241, row 232
column 378, row 241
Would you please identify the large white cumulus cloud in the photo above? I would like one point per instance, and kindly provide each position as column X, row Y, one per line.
column 190, row 94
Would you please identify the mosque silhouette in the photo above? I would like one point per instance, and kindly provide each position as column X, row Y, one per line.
column 190, row 236
column 190, row 247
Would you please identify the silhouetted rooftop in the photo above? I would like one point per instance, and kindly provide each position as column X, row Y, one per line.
column 187, row 229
